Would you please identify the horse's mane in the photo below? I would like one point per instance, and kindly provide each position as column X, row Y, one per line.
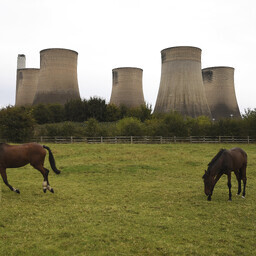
column 216, row 157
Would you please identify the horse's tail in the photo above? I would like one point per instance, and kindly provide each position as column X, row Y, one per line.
column 51, row 160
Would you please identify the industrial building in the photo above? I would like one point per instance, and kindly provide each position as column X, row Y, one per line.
column 57, row 81
column 184, row 86
column 127, row 87
column 181, row 86
column 220, row 92
column 26, row 86
column 21, row 61
column 26, row 82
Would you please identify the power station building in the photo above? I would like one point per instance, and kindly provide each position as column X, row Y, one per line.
column 127, row 87
column 26, row 86
column 184, row 86
column 57, row 81
column 181, row 86
column 26, row 82
column 220, row 92
column 21, row 61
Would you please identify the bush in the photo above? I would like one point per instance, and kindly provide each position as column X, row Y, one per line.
column 60, row 129
column 156, row 127
column 92, row 128
column 130, row 126
column 175, row 124
column 200, row 126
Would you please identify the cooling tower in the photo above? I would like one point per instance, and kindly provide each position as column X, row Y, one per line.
column 181, row 87
column 57, row 81
column 220, row 92
column 127, row 87
column 26, row 86
column 21, row 64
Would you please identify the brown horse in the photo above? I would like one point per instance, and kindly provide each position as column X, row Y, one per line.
column 14, row 156
column 225, row 162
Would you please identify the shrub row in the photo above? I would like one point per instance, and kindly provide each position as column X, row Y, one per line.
column 172, row 124
column 19, row 124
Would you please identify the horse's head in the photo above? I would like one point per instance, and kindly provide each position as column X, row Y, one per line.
column 208, row 183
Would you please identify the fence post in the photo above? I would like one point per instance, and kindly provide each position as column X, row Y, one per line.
column 161, row 140
column 219, row 139
column 248, row 139
column 174, row 139
column 131, row 140
column 71, row 139
column 101, row 139
column 41, row 138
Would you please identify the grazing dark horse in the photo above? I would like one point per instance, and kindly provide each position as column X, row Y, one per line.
column 225, row 162
column 14, row 156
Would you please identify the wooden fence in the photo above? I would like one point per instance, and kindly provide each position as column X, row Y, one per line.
column 145, row 139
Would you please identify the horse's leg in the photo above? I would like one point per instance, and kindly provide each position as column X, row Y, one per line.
column 48, row 185
column 41, row 169
column 243, row 175
column 238, row 177
column 229, row 186
column 44, row 172
column 4, row 176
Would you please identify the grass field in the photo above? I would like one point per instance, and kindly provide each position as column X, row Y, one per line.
column 128, row 200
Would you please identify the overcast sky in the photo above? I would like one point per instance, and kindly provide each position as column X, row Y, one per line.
column 129, row 33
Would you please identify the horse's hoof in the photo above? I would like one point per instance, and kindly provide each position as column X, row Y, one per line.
column 209, row 199
column 44, row 190
column 52, row 190
column 243, row 197
column 17, row 191
column 229, row 200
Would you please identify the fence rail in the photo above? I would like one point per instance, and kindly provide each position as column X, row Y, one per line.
column 144, row 139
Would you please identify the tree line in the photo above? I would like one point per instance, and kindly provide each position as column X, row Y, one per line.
column 94, row 117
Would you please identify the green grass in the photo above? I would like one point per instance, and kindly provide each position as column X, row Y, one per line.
column 128, row 200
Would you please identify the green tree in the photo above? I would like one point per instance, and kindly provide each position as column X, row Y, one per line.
column 16, row 124
column 123, row 111
column 97, row 108
column 249, row 120
column 41, row 114
column 143, row 112
column 56, row 112
column 76, row 110
column 113, row 113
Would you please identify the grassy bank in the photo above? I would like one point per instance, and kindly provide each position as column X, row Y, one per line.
column 127, row 200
